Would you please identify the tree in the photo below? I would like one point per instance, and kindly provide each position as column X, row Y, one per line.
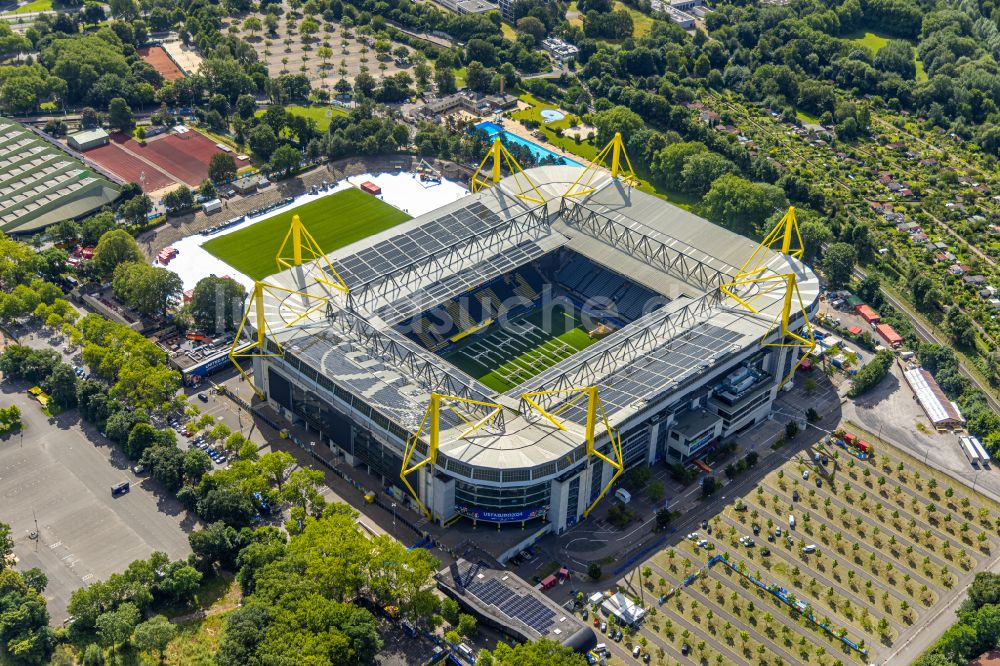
column 217, row 544
column 217, row 304
column 61, row 385
column 154, row 635
column 221, row 168
column 285, row 159
column 531, row 25
column 24, row 630
column 594, row 570
column 444, row 79
column 542, row 652
column 663, row 519
column 120, row 115
column 740, row 205
column 6, row 545
column 115, row 627
column 838, row 263
column 708, row 486
column 116, row 247
column 147, row 289
column 275, row 466
column 252, row 25
column 614, row 120
column 449, row 611
column 703, row 169
column 89, row 118
column 467, row 625
column 262, row 140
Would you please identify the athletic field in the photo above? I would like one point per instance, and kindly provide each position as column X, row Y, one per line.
column 504, row 356
column 334, row 221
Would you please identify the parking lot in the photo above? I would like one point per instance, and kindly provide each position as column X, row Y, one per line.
column 57, row 479
column 876, row 549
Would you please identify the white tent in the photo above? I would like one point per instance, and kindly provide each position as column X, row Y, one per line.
column 624, row 610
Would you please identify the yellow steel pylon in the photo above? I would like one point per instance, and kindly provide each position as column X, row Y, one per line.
column 527, row 189
column 258, row 348
column 595, row 410
column 616, row 148
column 787, row 231
column 432, row 423
column 301, row 240
column 806, row 342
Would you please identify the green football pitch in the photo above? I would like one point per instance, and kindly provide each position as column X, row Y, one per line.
column 334, row 221
column 504, row 356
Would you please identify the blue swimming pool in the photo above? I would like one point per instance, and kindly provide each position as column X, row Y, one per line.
column 539, row 152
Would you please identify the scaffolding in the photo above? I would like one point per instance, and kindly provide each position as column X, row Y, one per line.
column 620, row 168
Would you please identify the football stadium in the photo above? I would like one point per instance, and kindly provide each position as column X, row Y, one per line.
column 503, row 359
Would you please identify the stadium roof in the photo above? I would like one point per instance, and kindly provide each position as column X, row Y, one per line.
column 41, row 184
column 423, row 262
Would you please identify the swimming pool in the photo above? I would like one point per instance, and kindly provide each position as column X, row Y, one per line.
column 539, row 152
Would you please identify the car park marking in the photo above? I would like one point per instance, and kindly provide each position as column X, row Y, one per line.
column 56, row 545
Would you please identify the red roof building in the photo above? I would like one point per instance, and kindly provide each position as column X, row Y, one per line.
column 867, row 314
column 889, row 335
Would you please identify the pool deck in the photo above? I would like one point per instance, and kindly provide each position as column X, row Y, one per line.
column 516, row 128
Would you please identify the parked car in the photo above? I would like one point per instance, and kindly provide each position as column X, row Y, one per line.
column 805, row 475
column 636, row 651
column 819, row 482
column 756, row 529
column 685, row 649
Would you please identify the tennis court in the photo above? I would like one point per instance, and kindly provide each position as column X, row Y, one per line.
column 184, row 155
column 128, row 167
column 161, row 62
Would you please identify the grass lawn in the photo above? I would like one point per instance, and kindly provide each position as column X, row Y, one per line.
column 875, row 42
column 641, row 23
column 534, row 113
column 508, row 32
column 334, row 221
column 320, row 114
column 34, row 6
column 806, row 118
column 870, row 40
column 460, row 75
column 577, row 19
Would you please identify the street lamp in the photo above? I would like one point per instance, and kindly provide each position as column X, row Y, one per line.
column 393, row 519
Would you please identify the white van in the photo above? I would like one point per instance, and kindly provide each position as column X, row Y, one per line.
column 811, row 548
column 601, row 648
column 791, row 522
column 623, row 495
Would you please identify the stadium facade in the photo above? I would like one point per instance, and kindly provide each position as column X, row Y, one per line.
column 672, row 363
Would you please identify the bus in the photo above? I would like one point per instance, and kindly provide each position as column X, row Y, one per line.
column 969, row 451
column 984, row 458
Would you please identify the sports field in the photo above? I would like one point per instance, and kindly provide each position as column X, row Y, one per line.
column 504, row 356
column 334, row 221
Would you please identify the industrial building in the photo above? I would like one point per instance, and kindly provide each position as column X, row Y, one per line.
column 691, row 331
